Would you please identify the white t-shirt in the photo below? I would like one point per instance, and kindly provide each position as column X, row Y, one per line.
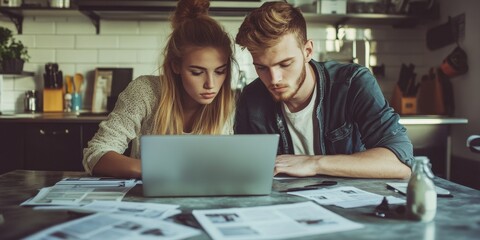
column 303, row 127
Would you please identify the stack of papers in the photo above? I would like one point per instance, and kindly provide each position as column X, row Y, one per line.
column 81, row 191
column 272, row 222
column 113, row 219
column 345, row 197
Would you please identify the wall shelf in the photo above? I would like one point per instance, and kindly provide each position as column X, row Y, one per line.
column 159, row 10
column 356, row 19
column 17, row 75
column 17, row 14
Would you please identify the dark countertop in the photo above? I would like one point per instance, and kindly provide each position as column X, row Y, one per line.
column 72, row 117
column 431, row 120
column 93, row 117
column 457, row 217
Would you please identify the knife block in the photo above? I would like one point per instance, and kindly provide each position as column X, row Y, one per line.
column 433, row 95
column 403, row 105
column 53, row 100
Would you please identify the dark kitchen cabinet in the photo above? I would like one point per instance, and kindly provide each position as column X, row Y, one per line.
column 11, row 147
column 53, row 147
column 43, row 145
column 54, row 144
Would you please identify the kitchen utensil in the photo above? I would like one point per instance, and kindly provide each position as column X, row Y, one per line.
column 445, row 34
column 455, row 63
column 51, row 67
column 53, row 78
column 70, row 87
column 77, row 82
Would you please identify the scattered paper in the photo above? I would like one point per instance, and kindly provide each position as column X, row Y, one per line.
column 272, row 222
column 138, row 209
column 402, row 188
column 345, row 197
column 75, row 192
column 98, row 181
column 115, row 226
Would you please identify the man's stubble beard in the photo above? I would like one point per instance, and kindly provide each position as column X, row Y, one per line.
column 300, row 81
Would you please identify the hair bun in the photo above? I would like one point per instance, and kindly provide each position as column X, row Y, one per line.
column 189, row 9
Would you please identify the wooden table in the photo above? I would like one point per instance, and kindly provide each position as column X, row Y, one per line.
column 457, row 218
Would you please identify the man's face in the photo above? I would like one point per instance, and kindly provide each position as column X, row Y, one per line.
column 282, row 68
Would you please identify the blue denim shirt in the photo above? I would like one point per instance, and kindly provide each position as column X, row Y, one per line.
column 352, row 113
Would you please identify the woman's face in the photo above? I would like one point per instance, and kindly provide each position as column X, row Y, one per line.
column 203, row 71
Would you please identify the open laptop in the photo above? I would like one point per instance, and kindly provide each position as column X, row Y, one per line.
column 207, row 165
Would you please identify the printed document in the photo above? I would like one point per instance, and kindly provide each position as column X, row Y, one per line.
column 98, row 181
column 272, row 222
column 137, row 209
column 115, row 226
column 345, row 197
column 75, row 191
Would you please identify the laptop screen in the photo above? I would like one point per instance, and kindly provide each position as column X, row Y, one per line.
column 206, row 165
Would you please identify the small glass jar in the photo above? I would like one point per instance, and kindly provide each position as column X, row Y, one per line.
column 30, row 101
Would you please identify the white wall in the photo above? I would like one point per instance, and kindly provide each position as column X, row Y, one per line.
column 467, row 86
column 74, row 45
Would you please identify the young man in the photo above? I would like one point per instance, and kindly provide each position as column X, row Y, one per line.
column 332, row 118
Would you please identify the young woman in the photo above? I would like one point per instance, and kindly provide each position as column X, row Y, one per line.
column 193, row 96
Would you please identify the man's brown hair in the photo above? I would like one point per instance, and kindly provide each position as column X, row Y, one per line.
column 264, row 26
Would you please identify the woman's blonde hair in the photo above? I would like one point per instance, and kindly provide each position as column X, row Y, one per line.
column 264, row 26
column 192, row 27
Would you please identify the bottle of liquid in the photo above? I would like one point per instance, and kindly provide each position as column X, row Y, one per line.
column 68, row 102
column 242, row 80
column 421, row 195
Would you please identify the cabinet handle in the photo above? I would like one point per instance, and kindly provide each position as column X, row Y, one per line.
column 66, row 131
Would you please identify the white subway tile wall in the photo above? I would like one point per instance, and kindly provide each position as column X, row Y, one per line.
column 72, row 42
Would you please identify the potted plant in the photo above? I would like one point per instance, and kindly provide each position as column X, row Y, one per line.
column 13, row 54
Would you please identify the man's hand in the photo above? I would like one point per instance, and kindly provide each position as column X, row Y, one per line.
column 296, row 165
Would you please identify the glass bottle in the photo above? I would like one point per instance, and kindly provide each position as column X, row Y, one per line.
column 68, row 102
column 421, row 195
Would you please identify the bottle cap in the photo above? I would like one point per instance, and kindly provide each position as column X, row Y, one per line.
column 422, row 159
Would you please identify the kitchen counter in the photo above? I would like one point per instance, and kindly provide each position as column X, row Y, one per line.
column 431, row 120
column 431, row 137
column 84, row 117
column 93, row 117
